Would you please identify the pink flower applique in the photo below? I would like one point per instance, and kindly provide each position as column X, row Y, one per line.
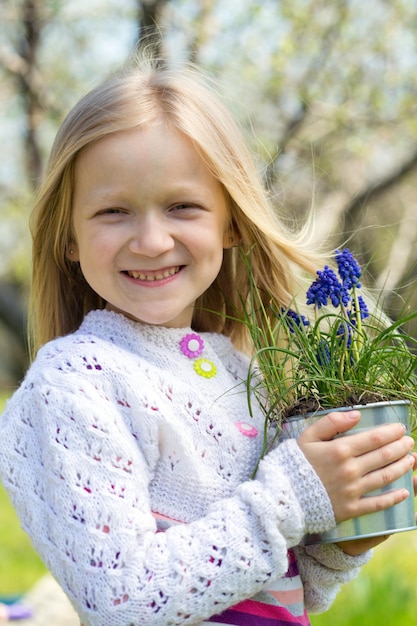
column 191, row 345
column 246, row 429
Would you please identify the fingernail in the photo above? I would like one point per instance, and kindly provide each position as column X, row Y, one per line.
column 353, row 415
column 410, row 441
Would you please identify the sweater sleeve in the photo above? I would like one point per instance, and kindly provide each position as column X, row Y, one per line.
column 80, row 484
column 287, row 459
column 324, row 569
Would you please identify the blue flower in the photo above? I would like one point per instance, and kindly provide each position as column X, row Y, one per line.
column 327, row 287
column 323, row 354
column 349, row 269
column 345, row 332
column 363, row 311
column 295, row 319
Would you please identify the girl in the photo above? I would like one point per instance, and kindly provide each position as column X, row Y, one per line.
column 128, row 448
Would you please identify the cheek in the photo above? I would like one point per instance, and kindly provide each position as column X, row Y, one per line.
column 96, row 244
column 213, row 237
column 208, row 250
column 96, row 255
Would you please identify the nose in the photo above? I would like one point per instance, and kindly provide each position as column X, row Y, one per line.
column 151, row 236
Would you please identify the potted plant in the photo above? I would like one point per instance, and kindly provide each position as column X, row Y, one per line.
column 341, row 356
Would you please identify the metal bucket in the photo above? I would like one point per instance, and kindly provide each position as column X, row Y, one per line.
column 398, row 518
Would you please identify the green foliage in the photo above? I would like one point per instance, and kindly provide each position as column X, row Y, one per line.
column 384, row 591
column 342, row 357
column 20, row 567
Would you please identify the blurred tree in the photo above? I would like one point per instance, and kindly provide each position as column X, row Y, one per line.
column 330, row 90
column 37, row 89
column 149, row 19
column 326, row 90
column 20, row 64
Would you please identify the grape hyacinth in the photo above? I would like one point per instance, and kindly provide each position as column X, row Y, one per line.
column 323, row 354
column 349, row 269
column 327, row 287
column 339, row 355
column 363, row 309
column 340, row 291
column 295, row 319
column 345, row 332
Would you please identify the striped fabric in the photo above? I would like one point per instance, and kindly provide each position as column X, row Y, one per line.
column 281, row 605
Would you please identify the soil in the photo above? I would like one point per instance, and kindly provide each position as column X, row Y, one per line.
column 310, row 405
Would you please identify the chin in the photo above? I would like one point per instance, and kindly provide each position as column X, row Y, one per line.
column 156, row 318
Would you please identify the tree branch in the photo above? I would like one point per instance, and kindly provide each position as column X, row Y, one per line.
column 352, row 208
column 309, row 77
column 149, row 18
column 13, row 317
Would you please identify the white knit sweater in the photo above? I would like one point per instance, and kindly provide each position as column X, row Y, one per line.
column 113, row 424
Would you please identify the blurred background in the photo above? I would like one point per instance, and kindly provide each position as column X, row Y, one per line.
column 326, row 91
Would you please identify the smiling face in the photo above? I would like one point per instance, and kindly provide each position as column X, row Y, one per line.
column 150, row 224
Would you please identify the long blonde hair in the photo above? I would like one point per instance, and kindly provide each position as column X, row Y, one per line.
column 135, row 97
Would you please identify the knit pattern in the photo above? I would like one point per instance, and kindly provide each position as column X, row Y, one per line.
column 280, row 605
column 113, row 423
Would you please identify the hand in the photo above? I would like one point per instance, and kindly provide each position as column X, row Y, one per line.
column 357, row 546
column 354, row 547
column 350, row 467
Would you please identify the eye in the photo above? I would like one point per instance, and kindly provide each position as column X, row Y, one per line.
column 184, row 207
column 181, row 206
column 111, row 211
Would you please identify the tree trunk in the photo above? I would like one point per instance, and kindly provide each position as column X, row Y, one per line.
column 149, row 22
column 28, row 50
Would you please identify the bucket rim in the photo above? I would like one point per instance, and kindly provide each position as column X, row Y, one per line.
column 353, row 407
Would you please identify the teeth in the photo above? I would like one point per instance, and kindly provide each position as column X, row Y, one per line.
column 153, row 277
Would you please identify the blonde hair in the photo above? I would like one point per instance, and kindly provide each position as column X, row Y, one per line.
column 134, row 97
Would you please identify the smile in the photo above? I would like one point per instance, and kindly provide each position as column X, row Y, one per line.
column 153, row 276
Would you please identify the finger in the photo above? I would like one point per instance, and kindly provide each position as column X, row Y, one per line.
column 360, row 443
column 375, row 504
column 355, row 547
column 330, row 425
column 387, row 475
column 386, row 455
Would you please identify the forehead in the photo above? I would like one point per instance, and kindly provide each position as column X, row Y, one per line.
column 148, row 145
column 144, row 159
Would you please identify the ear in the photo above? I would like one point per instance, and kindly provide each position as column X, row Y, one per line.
column 231, row 237
column 71, row 252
